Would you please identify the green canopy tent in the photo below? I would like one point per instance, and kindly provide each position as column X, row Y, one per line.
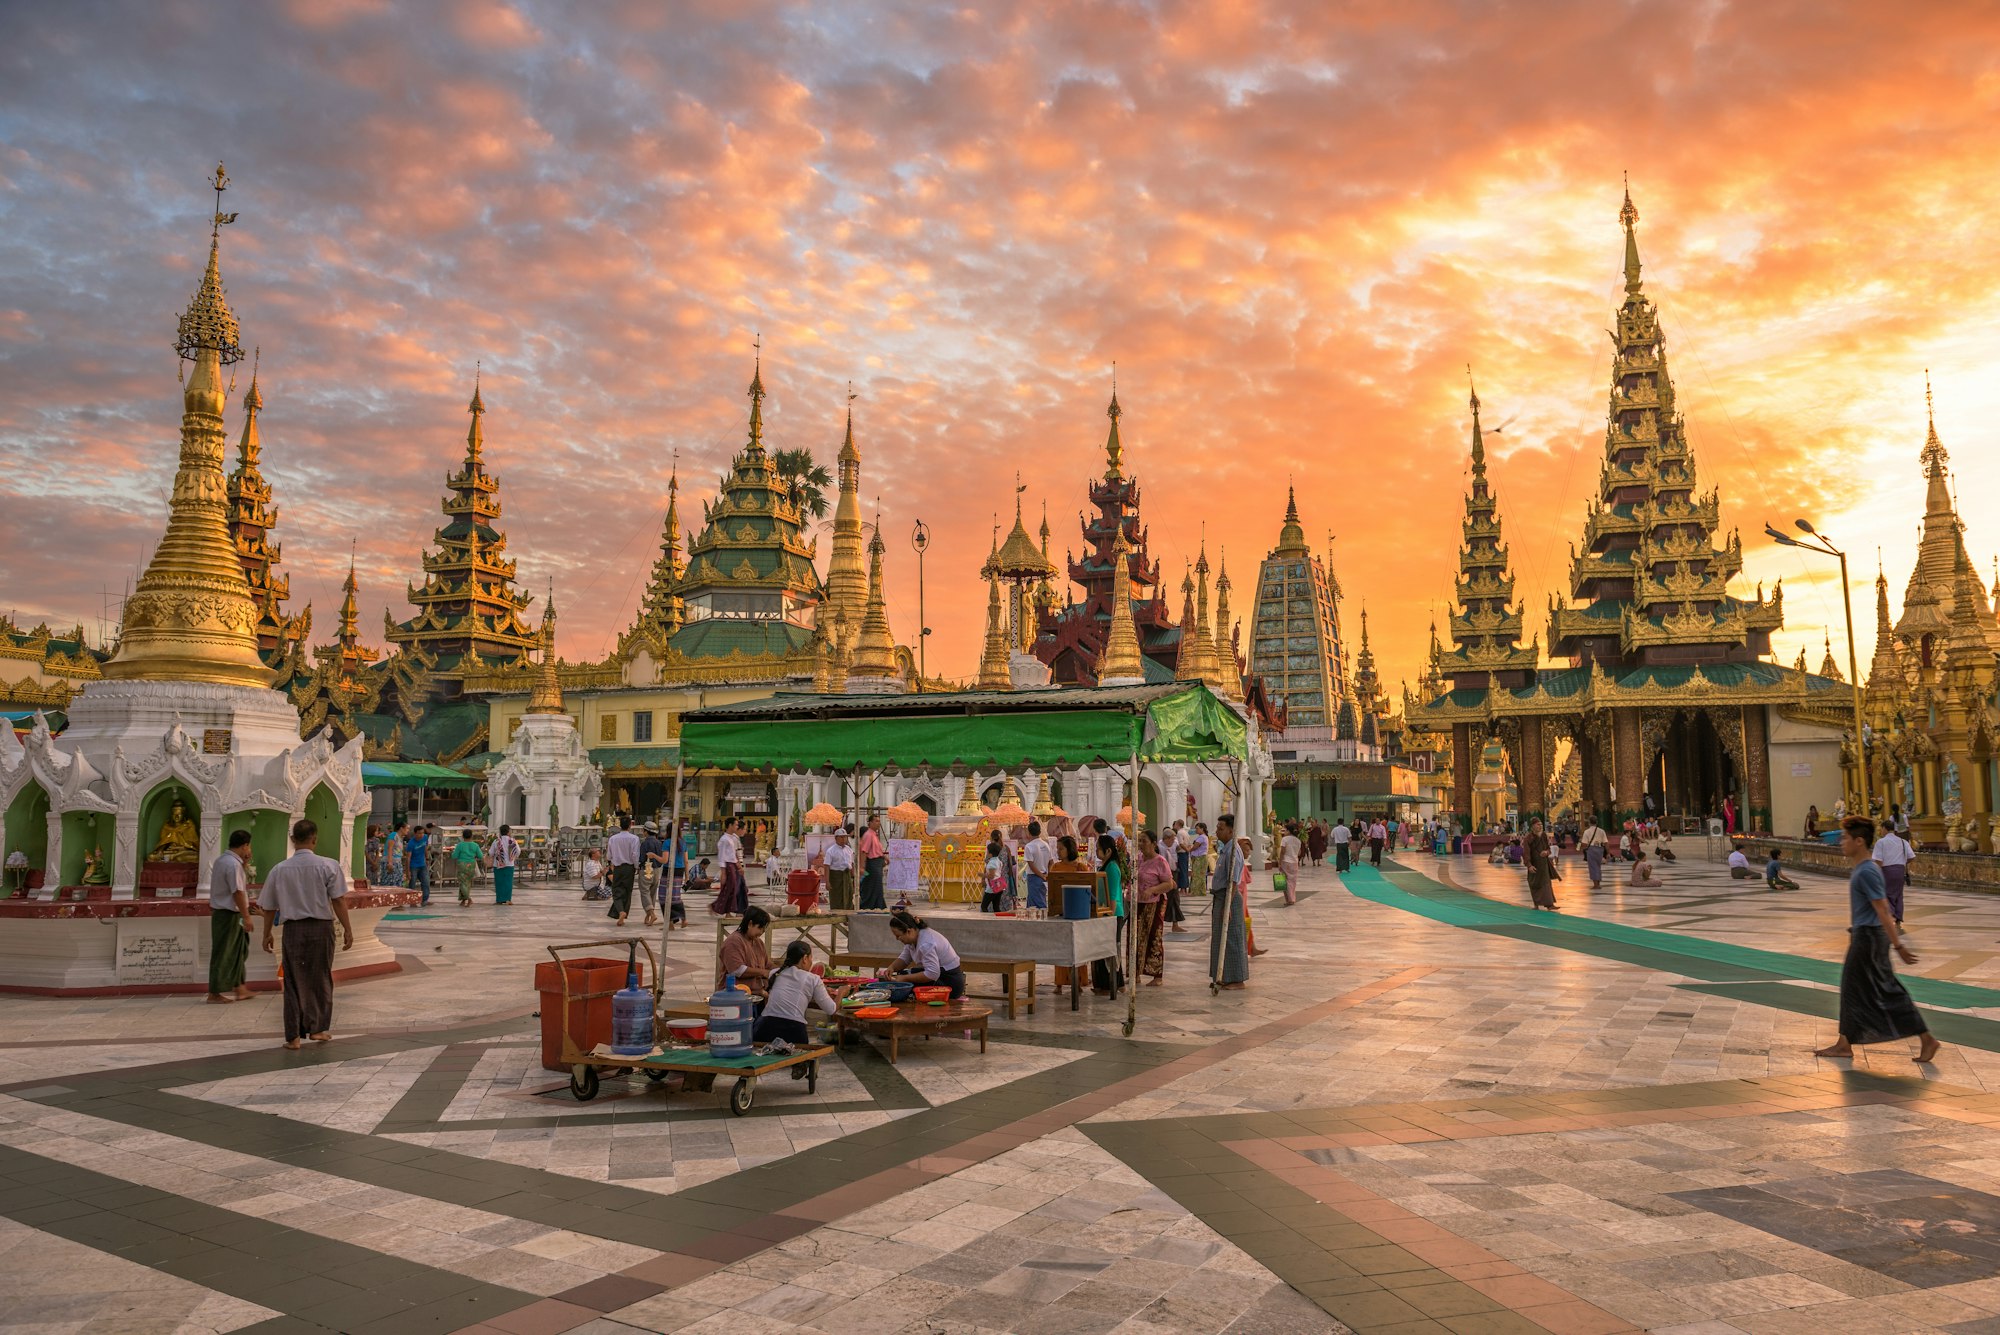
column 1119, row 726
column 416, row 774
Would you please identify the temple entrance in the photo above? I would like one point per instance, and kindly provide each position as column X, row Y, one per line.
column 1149, row 805
column 1691, row 774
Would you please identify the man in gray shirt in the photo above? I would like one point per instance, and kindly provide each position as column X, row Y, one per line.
column 229, row 922
column 304, row 895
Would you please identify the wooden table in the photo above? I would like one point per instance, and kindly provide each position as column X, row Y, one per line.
column 825, row 944
column 1014, row 974
column 919, row 1017
column 1072, row 943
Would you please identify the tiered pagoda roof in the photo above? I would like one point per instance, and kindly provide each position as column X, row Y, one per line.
column 1071, row 639
column 1943, row 577
column 751, row 584
column 342, row 685
column 1486, row 628
column 252, row 517
column 662, row 610
column 1650, row 584
column 468, row 612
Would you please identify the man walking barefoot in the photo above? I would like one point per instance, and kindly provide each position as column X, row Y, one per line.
column 1874, row 1006
column 304, row 895
column 229, row 922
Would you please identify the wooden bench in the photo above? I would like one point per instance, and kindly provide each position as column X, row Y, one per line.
column 1013, row 973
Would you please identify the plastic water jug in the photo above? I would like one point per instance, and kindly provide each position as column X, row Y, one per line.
column 1076, row 901
column 729, row 1021
column 632, row 1013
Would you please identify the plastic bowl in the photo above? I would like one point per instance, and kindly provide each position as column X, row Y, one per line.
column 930, row 993
column 688, row 1031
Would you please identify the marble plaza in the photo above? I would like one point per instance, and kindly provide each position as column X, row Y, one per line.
column 1431, row 1112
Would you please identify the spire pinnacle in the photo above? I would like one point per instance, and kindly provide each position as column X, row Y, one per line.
column 1478, row 437
column 1121, row 662
column 1114, row 449
column 475, row 435
column 350, row 608
column 1933, row 456
column 250, row 446
column 547, row 695
column 1629, row 215
column 208, row 325
column 756, row 391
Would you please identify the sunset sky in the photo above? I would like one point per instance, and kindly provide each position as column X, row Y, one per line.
column 1291, row 226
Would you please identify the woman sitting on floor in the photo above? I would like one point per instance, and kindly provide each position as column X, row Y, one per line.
column 793, row 987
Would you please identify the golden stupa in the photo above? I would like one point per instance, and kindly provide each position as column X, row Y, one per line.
column 191, row 617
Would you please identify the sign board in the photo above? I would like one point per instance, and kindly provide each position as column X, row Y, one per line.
column 215, row 741
column 159, row 950
column 1801, row 769
column 905, row 858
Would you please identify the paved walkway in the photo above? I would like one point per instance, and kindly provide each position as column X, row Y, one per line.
column 1433, row 1111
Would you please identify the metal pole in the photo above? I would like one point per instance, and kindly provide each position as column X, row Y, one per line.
column 920, row 538
column 1132, row 917
column 1854, row 675
column 675, row 833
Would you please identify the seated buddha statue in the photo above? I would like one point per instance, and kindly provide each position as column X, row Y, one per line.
column 179, row 840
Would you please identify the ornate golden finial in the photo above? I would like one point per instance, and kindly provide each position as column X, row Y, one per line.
column 1933, row 455
column 547, row 697
column 350, row 607
column 475, row 435
column 993, row 666
column 1114, row 449
column 191, row 616
column 1629, row 215
column 756, row 445
column 1229, row 678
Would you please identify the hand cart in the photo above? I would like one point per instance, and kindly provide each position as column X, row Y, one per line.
column 586, row 1066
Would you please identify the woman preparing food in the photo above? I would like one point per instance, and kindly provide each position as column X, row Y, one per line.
column 927, row 957
column 792, row 988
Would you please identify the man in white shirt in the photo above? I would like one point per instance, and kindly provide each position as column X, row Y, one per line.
column 1378, row 834
column 229, row 922
column 838, row 858
column 1342, row 839
column 303, row 894
column 621, row 851
column 1893, row 853
column 1739, row 865
column 733, row 898
column 1040, row 855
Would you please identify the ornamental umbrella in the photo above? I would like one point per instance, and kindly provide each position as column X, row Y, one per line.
column 826, row 813
column 1008, row 813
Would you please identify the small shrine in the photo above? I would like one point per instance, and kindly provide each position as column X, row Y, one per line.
column 545, row 779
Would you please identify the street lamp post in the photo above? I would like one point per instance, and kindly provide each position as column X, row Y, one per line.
column 1822, row 545
column 920, row 539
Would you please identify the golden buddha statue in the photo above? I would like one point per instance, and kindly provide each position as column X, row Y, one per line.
column 179, row 840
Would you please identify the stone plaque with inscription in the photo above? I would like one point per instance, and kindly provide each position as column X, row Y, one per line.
column 153, row 951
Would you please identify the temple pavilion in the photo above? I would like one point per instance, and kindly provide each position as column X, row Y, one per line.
column 1663, row 690
column 1932, row 709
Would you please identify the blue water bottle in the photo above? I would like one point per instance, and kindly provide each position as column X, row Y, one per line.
column 729, row 1020
column 632, row 1012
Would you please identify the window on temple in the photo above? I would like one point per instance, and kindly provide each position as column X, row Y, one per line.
column 642, row 725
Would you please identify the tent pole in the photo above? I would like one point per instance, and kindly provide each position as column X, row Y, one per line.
column 1132, row 917
column 667, row 908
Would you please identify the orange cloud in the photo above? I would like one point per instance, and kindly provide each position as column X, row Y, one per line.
column 1291, row 225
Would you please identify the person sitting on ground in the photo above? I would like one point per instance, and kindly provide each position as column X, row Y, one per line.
column 1642, row 867
column 1663, row 848
column 1774, row 874
column 593, row 875
column 792, row 988
column 1739, row 865
column 702, row 880
column 1515, row 853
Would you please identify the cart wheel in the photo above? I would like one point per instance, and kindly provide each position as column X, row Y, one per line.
column 657, row 1076
column 583, row 1082
column 812, row 1077
column 741, row 1095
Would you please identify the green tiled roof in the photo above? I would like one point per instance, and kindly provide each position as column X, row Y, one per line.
column 718, row 637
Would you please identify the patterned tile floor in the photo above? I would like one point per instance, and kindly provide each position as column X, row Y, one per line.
column 1431, row 1112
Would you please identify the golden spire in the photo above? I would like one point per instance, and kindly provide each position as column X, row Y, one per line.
column 875, row 649
column 1045, row 802
column 755, row 449
column 846, row 570
column 1114, row 450
column 350, row 610
column 250, row 448
column 1121, row 662
column 547, row 697
column 1629, row 215
column 1187, row 662
column 968, row 802
column 191, row 616
column 475, row 436
column 1827, row 667
column 1292, row 537
column 1933, row 457
column 993, row 663
column 1229, row 674
column 840, row 653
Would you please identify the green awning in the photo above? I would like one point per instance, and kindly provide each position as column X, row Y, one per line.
column 627, row 758
column 1383, row 799
column 1180, row 721
column 411, row 774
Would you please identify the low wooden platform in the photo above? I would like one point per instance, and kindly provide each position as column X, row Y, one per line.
column 920, row 1018
column 1013, row 973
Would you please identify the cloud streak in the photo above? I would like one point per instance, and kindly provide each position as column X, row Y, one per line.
column 1291, row 225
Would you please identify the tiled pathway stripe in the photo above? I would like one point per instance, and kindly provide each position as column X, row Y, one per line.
column 1663, row 952
column 323, row 1284
column 1379, row 1268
